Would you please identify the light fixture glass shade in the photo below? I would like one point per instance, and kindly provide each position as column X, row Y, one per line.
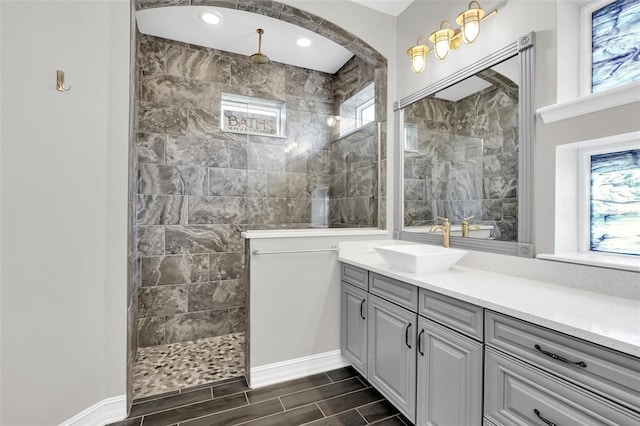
column 441, row 39
column 418, row 57
column 469, row 20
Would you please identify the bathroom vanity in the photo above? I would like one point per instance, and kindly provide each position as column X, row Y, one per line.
column 469, row 347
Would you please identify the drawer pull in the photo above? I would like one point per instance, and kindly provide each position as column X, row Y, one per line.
column 361, row 305
column 559, row 358
column 420, row 342
column 535, row 410
column 406, row 336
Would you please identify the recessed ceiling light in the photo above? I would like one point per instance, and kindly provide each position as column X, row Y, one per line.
column 303, row 42
column 210, row 17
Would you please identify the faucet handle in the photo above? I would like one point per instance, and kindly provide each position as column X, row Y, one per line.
column 467, row 218
column 444, row 219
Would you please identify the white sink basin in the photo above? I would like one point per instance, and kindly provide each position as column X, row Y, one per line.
column 420, row 258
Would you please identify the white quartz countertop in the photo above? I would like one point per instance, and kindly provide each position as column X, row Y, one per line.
column 609, row 321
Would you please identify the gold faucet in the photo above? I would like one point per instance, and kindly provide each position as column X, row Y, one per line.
column 446, row 231
column 465, row 227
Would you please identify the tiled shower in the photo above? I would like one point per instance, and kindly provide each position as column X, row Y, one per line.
column 199, row 187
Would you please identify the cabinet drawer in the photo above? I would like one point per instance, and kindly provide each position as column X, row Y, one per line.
column 354, row 275
column 461, row 316
column 398, row 292
column 610, row 373
column 515, row 392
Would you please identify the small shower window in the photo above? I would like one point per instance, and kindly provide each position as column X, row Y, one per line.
column 249, row 115
column 358, row 111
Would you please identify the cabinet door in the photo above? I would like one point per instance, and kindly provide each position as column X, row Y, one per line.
column 354, row 326
column 449, row 377
column 392, row 353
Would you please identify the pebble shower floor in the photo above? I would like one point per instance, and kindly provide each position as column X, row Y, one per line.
column 165, row 368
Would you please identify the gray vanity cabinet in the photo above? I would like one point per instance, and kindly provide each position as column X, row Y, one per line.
column 392, row 353
column 449, row 377
column 354, row 326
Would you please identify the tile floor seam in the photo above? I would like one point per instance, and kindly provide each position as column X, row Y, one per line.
column 323, row 414
column 366, row 422
column 176, row 407
column 210, row 414
column 328, row 398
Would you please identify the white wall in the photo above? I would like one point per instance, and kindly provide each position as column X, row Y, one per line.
column 64, row 207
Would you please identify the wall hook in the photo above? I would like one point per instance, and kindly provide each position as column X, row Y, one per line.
column 60, row 82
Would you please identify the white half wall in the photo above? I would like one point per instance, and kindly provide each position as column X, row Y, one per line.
column 294, row 303
column 64, row 207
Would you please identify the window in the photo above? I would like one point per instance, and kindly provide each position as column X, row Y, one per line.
column 357, row 111
column 610, row 182
column 248, row 115
column 610, row 35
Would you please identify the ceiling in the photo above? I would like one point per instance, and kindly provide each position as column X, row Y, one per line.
column 390, row 7
column 237, row 33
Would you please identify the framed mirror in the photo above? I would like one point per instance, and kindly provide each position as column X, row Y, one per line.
column 464, row 152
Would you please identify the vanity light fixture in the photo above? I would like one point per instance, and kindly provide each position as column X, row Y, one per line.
column 210, row 17
column 447, row 39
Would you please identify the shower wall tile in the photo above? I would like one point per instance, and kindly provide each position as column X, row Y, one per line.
column 202, row 122
column 170, row 120
column 298, row 210
column 203, row 239
column 362, row 182
column 257, row 183
column 197, row 151
column 170, row 90
column 204, row 210
column 414, row 189
column 352, row 77
column 297, row 185
column 266, row 210
column 257, row 78
column 173, row 180
column 262, row 7
column 203, row 65
column 150, row 148
column 317, row 106
column 237, row 319
column 197, row 325
column 265, row 157
column 152, row 55
column 228, row 182
column 308, row 84
column 300, row 18
column 162, row 300
column 238, row 154
column 151, row 331
column 216, row 295
column 491, row 209
column 276, row 184
column 226, row 266
column 150, row 240
column 161, row 210
column 167, row 270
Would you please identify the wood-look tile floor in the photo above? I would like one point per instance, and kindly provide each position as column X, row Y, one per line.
column 333, row 398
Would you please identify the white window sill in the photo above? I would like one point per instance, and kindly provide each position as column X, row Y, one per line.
column 594, row 102
column 602, row 260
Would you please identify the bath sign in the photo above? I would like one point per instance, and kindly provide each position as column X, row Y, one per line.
column 253, row 116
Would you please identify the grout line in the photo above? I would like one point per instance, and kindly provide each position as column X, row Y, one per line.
column 323, row 414
column 360, row 414
column 283, row 407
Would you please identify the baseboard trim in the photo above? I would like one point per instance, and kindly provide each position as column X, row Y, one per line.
column 106, row 411
column 295, row 368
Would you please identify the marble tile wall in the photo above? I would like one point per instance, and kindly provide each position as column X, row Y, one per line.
column 198, row 188
column 354, row 187
column 467, row 159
